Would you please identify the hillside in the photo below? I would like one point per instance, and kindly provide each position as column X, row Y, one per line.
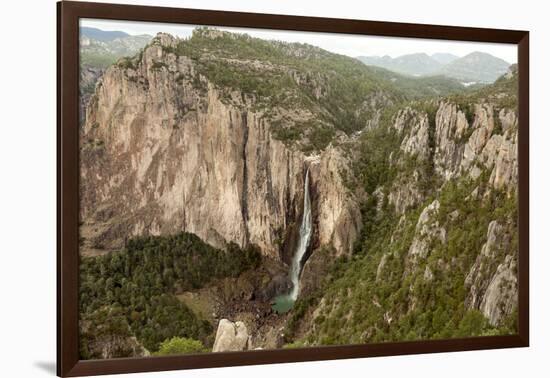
column 437, row 256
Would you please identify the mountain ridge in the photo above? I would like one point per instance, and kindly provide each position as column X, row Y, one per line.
column 477, row 66
column 474, row 67
column 101, row 35
column 415, row 64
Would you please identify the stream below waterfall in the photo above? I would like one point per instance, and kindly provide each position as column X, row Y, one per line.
column 285, row 302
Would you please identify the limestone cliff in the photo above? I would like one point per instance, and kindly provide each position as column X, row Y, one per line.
column 166, row 150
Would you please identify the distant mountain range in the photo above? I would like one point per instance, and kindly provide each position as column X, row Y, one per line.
column 476, row 67
column 100, row 48
column 444, row 58
column 101, row 35
column 412, row 64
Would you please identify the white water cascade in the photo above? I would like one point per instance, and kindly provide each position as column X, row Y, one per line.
column 285, row 302
column 303, row 242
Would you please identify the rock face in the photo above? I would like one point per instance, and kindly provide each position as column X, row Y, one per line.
column 468, row 141
column 416, row 140
column 414, row 129
column 460, row 148
column 338, row 218
column 88, row 78
column 427, row 231
column 164, row 150
column 451, row 125
column 230, row 337
column 492, row 280
column 463, row 148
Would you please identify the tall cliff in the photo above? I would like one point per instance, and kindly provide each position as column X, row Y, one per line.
column 167, row 147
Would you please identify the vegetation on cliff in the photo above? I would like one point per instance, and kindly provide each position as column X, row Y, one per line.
column 408, row 278
column 363, row 303
column 331, row 93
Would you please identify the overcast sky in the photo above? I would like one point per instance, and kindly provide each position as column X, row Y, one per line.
column 351, row 45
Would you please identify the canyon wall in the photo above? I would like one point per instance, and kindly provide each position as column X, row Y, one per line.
column 163, row 151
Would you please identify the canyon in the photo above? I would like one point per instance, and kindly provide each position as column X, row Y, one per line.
column 359, row 196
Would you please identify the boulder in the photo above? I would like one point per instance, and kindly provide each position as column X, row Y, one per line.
column 230, row 336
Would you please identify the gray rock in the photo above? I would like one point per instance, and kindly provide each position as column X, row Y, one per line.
column 427, row 232
column 381, row 266
column 230, row 337
column 428, row 274
column 508, row 119
column 493, row 291
column 501, row 296
column 416, row 140
column 451, row 124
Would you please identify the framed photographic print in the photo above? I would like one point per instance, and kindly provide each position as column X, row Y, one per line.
column 238, row 188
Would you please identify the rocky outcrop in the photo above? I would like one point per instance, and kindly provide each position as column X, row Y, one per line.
column 482, row 129
column 460, row 147
column 405, row 192
column 451, row 125
column 500, row 155
column 231, row 337
column 501, row 297
column 492, row 280
column 427, row 232
column 485, row 147
column 416, row 138
column 164, row 150
column 88, row 79
column 338, row 218
column 414, row 129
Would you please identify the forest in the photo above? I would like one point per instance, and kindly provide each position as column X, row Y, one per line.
column 133, row 291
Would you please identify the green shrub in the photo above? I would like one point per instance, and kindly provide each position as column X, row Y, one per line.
column 180, row 345
column 157, row 65
column 126, row 63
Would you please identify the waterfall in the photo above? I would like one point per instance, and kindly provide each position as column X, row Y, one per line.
column 303, row 243
column 285, row 302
